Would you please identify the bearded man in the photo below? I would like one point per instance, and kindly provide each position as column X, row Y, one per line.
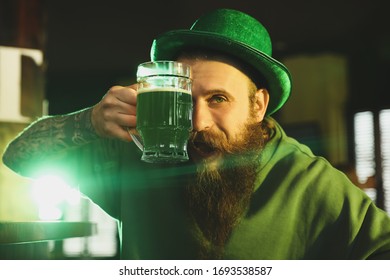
column 248, row 192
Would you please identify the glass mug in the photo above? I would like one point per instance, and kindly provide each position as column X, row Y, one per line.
column 164, row 111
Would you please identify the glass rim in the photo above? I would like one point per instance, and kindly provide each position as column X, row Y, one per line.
column 163, row 67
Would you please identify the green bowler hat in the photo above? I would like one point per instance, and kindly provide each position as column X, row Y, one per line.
column 237, row 34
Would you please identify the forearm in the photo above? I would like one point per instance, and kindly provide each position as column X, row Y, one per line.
column 49, row 137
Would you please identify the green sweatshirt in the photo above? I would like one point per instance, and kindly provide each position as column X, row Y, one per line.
column 302, row 207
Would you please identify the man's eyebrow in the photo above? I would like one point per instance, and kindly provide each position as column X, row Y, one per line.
column 219, row 91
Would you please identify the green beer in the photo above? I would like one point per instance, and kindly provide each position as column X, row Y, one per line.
column 164, row 122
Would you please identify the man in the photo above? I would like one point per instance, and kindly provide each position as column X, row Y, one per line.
column 248, row 192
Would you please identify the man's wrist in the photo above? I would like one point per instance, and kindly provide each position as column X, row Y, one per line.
column 84, row 131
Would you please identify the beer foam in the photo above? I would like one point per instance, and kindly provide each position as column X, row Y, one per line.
column 164, row 89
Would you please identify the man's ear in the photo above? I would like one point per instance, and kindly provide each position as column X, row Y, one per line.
column 261, row 104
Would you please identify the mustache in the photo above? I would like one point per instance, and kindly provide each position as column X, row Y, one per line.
column 210, row 140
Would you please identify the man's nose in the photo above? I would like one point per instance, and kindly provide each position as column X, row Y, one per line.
column 201, row 116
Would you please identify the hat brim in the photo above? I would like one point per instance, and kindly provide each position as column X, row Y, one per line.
column 168, row 45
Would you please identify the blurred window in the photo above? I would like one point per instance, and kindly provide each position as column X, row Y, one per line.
column 367, row 159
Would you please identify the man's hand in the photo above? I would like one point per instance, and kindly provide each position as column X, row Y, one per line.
column 115, row 113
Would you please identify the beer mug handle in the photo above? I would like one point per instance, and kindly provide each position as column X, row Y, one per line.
column 137, row 140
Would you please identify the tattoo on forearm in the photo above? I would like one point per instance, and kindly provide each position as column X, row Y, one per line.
column 50, row 136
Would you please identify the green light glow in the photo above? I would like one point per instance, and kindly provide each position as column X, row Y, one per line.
column 51, row 193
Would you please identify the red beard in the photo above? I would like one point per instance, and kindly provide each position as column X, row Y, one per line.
column 218, row 197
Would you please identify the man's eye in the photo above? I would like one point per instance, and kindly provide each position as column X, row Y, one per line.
column 217, row 99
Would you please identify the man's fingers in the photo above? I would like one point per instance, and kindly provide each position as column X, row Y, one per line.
column 116, row 110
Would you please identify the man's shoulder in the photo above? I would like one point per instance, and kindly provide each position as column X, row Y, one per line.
column 288, row 159
column 282, row 149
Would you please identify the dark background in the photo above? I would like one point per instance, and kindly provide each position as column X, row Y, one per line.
column 92, row 45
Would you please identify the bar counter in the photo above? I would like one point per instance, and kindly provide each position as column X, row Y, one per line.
column 35, row 231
